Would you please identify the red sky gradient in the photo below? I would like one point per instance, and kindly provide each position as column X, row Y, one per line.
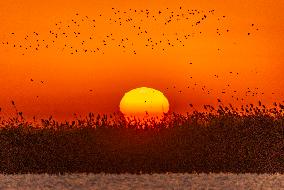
column 257, row 57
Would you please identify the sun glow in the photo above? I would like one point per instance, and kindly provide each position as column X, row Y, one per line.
column 144, row 103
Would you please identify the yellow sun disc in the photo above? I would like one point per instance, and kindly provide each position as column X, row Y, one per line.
column 144, row 102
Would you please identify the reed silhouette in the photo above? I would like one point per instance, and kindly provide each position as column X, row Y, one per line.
column 223, row 139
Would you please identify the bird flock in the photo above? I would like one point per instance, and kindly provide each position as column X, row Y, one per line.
column 124, row 29
column 129, row 31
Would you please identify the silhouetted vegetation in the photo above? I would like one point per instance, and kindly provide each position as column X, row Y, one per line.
column 226, row 139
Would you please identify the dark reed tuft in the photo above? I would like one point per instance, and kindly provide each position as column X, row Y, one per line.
column 216, row 140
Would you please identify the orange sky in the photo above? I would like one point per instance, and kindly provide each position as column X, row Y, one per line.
column 67, row 78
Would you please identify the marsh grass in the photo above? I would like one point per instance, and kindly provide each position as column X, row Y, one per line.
column 223, row 139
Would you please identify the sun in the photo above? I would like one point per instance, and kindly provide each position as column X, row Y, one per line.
column 144, row 102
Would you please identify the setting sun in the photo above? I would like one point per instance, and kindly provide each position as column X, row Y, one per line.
column 142, row 102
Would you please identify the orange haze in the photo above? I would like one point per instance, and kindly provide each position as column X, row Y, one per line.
column 47, row 79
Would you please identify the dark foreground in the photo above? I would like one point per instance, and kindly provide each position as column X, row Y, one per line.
column 225, row 141
column 143, row 182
